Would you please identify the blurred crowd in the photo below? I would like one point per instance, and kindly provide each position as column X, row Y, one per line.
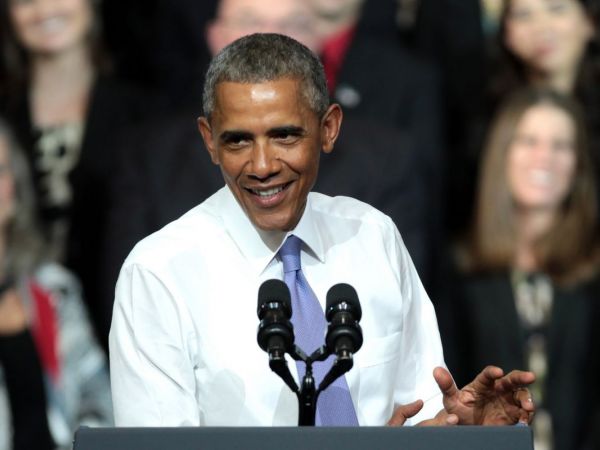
column 474, row 124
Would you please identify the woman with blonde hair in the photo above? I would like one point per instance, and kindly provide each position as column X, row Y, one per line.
column 527, row 293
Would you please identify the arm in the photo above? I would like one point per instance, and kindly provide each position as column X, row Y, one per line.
column 151, row 354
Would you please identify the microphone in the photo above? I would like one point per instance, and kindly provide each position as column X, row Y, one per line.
column 343, row 312
column 275, row 332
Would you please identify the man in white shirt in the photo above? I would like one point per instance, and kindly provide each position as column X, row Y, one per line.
column 183, row 338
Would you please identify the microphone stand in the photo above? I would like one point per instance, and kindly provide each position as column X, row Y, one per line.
column 308, row 393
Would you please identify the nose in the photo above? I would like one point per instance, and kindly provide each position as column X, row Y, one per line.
column 543, row 151
column 264, row 162
column 542, row 21
column 44, row 7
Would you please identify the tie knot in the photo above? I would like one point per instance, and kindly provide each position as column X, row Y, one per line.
column 290, row 253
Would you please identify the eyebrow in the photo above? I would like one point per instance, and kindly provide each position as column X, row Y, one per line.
column 235, row 135
column 285, row 130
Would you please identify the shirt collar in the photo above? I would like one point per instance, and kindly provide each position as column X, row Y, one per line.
column 259, row 246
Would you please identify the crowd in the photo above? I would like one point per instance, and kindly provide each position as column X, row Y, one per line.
column 474, row 125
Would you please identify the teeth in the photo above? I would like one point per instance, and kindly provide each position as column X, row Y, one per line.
column 52, row 24
column 541, row 176
column 268, row 192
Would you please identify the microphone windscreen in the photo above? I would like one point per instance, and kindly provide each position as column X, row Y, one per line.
column 343, row 292
column 274, row 291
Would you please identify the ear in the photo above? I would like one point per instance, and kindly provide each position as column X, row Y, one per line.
column 206, row 133
column 330, row 127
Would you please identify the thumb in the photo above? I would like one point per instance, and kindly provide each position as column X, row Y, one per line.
column 403, row 412
column 445, row 381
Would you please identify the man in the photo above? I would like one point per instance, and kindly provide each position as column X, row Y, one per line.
column 237, row 18
column 163, row 172
column 373, row 77
column 183, row 348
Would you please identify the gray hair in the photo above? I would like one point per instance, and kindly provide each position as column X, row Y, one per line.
column 24, row 245
column 262, row 57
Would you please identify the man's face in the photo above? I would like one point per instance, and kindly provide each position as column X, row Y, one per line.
column 238, row 18
column 267, row 141
column 335, row 9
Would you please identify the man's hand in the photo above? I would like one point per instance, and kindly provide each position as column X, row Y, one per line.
column 404, row 412
column 492, row 398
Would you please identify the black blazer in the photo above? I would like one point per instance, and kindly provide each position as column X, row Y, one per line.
column 382, row 82
column 113, row 107
column 480, row 326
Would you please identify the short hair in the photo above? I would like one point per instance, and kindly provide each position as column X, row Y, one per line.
column 568, row 252
column 262, row 57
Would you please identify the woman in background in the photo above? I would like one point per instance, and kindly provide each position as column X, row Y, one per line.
column 53, row 375
column 540, row 43
column 67, row 112
column 527, row 292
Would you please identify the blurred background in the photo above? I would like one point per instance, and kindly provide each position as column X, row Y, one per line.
column 474, row 124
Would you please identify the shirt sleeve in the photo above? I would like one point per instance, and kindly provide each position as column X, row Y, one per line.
column 151, row 354
column 420, row 342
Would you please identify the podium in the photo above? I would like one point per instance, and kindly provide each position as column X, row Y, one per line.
column 305, row 438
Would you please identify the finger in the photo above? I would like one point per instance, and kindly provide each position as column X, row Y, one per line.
column 515, row 380
column 403, row 412
column 444, row 380
column 486, row 379
column 443, row 419
column 524, row 399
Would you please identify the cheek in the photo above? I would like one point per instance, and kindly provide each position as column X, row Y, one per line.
column 7, row 190
column 567, row 165
column 518, row 40
column 21, row 17
column 232, row 166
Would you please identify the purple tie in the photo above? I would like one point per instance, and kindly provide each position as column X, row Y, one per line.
column 334, row 407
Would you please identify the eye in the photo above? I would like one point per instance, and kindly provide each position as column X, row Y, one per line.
column 235, row 140
column 520, row 13
column 20, row 2
column 526, row 141
column 563, row 145
column 287, row 138
column 557, row 6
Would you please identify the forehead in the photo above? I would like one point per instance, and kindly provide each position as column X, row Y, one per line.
column 262, row 9
column 547, row 118
column 280, row 98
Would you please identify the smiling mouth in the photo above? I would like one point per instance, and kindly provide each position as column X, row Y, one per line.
column 267, row 193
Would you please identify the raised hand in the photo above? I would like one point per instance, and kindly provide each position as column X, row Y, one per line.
column 492, row 398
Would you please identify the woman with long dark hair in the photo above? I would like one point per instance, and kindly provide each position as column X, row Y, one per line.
column 527, row 292
column 67, row 112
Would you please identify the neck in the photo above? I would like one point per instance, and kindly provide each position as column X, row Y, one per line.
column 60, row 86
column 531, row 225
column 563, row 81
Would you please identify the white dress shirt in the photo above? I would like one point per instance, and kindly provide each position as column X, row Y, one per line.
column 183, row 348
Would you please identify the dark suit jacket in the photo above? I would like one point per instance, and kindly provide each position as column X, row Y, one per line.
column 166, row 171
column 113, row 107
column 480, row 326
column 381, row 82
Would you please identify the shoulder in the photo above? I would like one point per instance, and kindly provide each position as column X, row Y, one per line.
column 57, row 280
column 201, row 228
column 340, row 212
